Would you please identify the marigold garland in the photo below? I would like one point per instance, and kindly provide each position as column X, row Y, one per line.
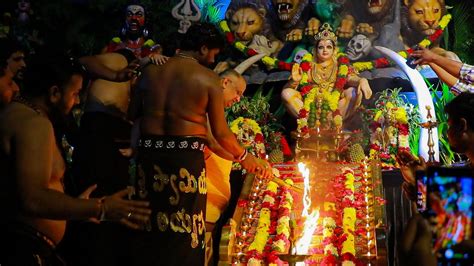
column 358, row 66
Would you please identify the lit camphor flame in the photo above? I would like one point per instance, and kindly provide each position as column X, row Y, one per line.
column 311, row 219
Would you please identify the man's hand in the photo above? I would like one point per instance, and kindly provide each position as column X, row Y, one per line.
column 158, row 59
column 128, row 73
column 424, row 56
column 257, row 166
column 131, row 213
column 409, row 164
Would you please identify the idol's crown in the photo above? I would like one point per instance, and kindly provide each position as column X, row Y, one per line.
column 325, row 33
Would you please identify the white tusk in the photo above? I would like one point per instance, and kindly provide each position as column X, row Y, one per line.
column 248, row 62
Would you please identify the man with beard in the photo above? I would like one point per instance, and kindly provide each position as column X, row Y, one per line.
column 13, row 55
column 133, row 36
column 7, row 86
column 180, row 98
column 32, row 196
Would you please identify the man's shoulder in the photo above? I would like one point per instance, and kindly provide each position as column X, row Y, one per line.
column 22, row 119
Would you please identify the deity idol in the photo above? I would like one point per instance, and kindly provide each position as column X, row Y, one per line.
column 133, row 35
column 324, row 90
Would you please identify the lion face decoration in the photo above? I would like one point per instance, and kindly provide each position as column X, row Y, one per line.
column 245, row 22
column 424, row 15
column 286, row 9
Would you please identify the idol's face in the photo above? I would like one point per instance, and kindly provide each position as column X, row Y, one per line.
column 135, row 18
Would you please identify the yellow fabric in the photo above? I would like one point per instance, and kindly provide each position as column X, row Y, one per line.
column 218, row 186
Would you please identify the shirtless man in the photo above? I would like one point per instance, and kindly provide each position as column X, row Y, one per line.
column 178, row 99
column 9, row 67
column 104, row 129
column 31, row 191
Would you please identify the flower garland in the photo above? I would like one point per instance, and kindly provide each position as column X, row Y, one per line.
column 313, row 96
column 358, row 66
column 267, row 60
column 281, row 241
column 255, row 250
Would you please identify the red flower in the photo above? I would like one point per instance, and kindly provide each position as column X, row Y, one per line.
column 305, row 130
column 230, row 37
column 305, row 66
column 251, row 52
column 283, row 65
column 343, row 60
column 403, row 128
column 329, row 260
column 242, row 203
column 436, row 35
column 305, row 90
column 303, row 113
column 340, row 83
column 285, row 148
column 258, row 137
column 381, row 62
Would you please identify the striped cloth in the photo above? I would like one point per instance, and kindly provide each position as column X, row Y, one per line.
column 465, row 81
column 218, row 186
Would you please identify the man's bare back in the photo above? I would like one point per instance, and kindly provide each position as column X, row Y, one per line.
column 176, row 97
column 113, row 95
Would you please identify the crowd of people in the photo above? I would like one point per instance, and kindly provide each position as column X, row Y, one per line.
column 166, row 115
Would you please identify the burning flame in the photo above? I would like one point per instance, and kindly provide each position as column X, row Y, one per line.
column 311, row 219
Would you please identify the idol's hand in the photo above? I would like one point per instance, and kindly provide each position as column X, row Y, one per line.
column 296, row 73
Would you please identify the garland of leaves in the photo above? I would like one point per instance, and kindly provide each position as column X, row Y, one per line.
column 359, row 66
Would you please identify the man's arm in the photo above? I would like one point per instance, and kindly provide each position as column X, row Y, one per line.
column 39, row 197
column 215, row 147
column 426, row 56
column 442, row 74
column 225, row 137
column 98, row 69
column 33, row 167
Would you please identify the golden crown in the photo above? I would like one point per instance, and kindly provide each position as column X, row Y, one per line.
column 325, row 33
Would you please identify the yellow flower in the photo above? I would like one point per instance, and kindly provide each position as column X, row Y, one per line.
column 348, row 246
column 404, row 54
column 378, row 115
column 307, row 57
column 240, row 46
column 401, row 115
column 389, row 105
column 224, row 26
column 362, row 66
column 333, row 100
column 272, row 186
column 116, row 40
column 444, row 21
column 289, row 182
column 304, row 78
column 269, row 61
column 343, row 70
column 149, row 43
column 425, row 43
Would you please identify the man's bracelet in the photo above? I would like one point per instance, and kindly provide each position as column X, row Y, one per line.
column 242, row 156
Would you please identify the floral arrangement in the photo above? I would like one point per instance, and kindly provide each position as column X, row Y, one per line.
column 257, row 108
column 389, row 127
column 326, row 101
column 358, row 66
column 249, row 134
